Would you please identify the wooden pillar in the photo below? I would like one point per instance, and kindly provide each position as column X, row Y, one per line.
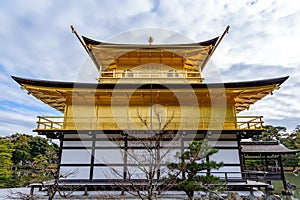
column 92, row 156
column 238, row 140
column 243, row 163
column 208, row 169
column 85, row 191
column 266, row 169
column 158, row 161
column 125, row 169
column 244, row 168
column 266, row 163
column 31, row 191
column 182, row 150
column 61, row 141
column 241, row 157
column 282, row 173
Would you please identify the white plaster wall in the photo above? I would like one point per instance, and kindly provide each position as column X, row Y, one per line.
column 136, row 172
column 76, row 172
column 108, row 143
column 168, row 155
column 108, row 156
column 228, row 156
column 86, row 136
column 77, row 143
column 76, row 156
column 232, row 172
column 108, row 172
column 223, row 143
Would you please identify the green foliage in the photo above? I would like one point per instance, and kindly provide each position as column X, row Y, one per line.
column 41, row 161
column 25, row 159
column 5, row 162
column 253, row 163
column 290, row 160
column 38, row 146
column 193, row 161
column 272, row 133
column 21, row 152
column 290, row 140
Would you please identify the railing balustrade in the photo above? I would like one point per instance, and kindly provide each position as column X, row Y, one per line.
column 189, row 123
column 50, row 122
column 162, row 74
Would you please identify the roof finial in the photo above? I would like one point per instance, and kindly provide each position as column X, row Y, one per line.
column 150, row 40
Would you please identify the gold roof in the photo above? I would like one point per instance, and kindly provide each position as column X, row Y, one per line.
column 108, row 56
column 56, row 94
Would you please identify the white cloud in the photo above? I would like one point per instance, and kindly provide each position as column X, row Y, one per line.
column 19, row 119
column 281, row 107
column 36, row 41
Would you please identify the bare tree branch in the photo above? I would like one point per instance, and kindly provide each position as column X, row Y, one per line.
column 144, row 176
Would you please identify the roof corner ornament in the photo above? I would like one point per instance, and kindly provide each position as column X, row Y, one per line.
column 79, row 38
column 150, row 40
column 87, row 48
column 72, row 28
column 226, row 31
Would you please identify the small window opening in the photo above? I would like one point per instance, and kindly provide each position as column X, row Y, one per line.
column 127, row 73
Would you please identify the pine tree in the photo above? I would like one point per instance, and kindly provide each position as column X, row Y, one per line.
column 192, row 163
column 21, row 154
column 5, row 162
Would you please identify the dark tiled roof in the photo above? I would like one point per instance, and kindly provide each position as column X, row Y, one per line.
column 58, row 84
column 266, row 147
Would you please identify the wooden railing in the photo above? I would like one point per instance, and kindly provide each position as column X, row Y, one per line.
column 232, row 176
column 262, row 175
column 50, row 122
column 249, row 122
column 84, row 123
column 161, row 74
column 144, row 77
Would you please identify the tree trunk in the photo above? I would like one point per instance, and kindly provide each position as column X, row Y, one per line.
column 190, row 194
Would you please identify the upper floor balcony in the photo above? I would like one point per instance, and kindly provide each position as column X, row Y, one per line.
column 122, row 123
column 150, row 76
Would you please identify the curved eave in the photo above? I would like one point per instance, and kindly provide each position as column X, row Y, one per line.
column 58, row 84
column 267, row 150
column 245, row 94
column 253, row 153
column 104, row 54
column 93, row 42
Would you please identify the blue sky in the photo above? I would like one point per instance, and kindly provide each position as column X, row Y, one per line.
column 36, row 42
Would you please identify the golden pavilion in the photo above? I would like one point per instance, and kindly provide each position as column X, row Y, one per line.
column 143, row 89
